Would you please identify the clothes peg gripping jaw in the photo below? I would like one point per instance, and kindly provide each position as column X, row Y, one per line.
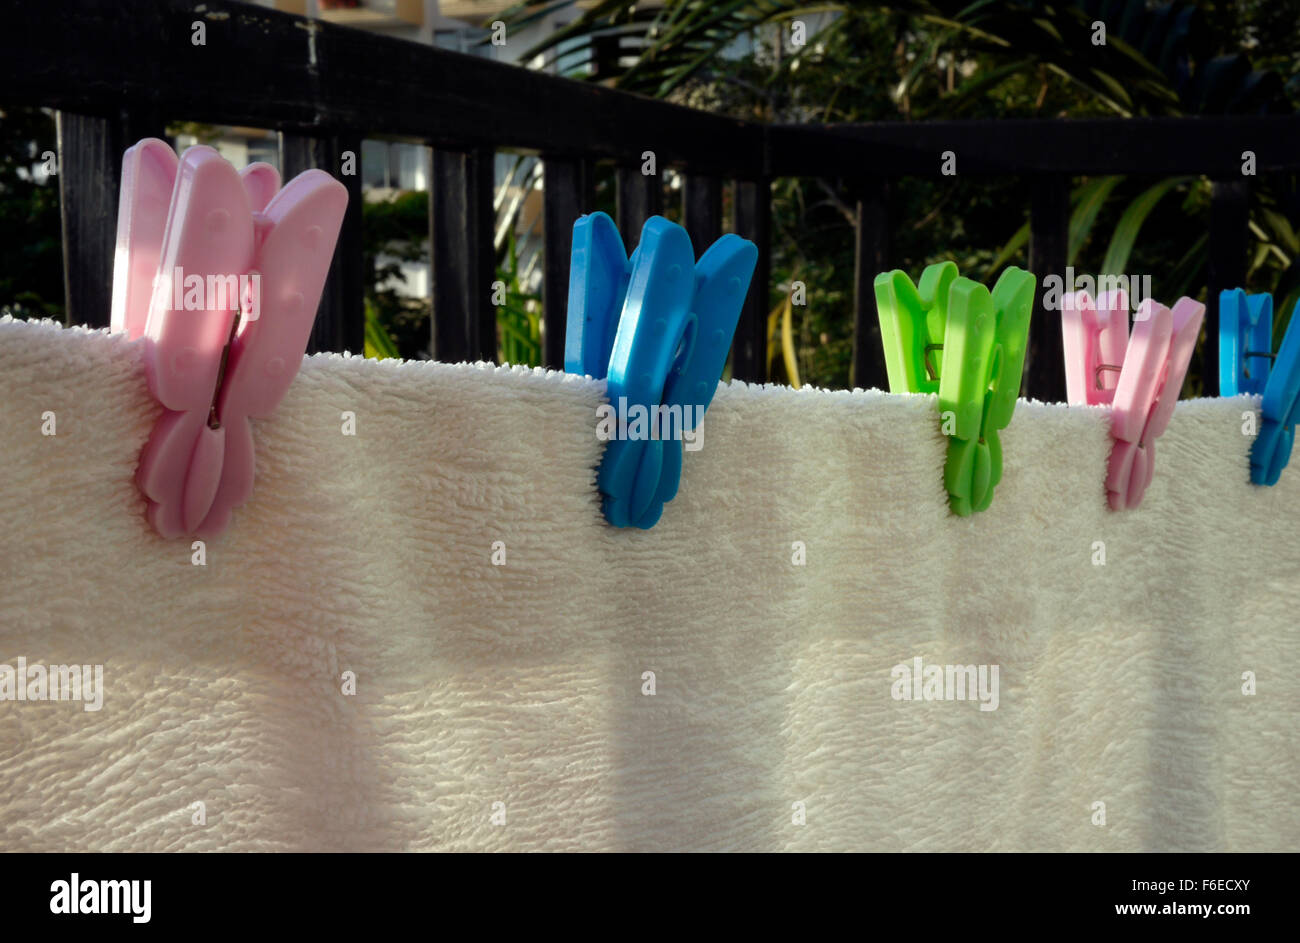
column 1094, row 338
column 974, row 462
column 912, row 324
column 208, row 232
column 1245, row 342
column 1150, row 380
column 985, row 357
column 148, row 177
column 1247, row 365
column 599, row 271
column 1279, row 410
column 658, row 328
column 296, row 237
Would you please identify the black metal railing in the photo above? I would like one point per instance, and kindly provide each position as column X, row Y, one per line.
column 119, row 72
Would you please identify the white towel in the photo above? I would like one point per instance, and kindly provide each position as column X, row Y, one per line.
column 502, row 707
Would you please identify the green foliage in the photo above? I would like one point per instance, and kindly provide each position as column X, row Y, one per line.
column 379, row 344
column 397, row 326
column 974, row 59
column 31, row 247
column 397, row 228
column 1144, row 66
column 519, row 318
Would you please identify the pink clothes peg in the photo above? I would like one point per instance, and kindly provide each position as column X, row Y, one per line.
column 1094, row 337
column 148, row 177
column 221, row 275
column 1139, row 377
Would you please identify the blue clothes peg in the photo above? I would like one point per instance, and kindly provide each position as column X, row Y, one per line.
column 1245, row 341
column 657, row 327
column 1247, row 365
column 1280, row 409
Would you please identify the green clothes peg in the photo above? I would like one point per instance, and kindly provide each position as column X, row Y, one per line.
column 912, row 326
column 954, row 338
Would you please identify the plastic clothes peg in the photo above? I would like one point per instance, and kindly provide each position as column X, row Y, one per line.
column 1248, row 365
column 1280, row 411
column 1245, row 342
column 952, row 336
column 1151, row 365
column 657, row 327
column 238, row 274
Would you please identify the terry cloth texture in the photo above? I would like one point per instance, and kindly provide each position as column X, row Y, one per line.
column 503, row 707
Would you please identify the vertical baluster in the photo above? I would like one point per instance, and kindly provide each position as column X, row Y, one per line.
column 753, row 222
column 89, row 175
column 461, row 222
column 568, row 193
column 640, row 196
column 1049, row 225
column 340, row 321
column 870, row 259
column 1226, row 268
column 702, row 210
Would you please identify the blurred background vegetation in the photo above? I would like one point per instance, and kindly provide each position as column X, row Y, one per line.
column 972, row 59
column 902, row 61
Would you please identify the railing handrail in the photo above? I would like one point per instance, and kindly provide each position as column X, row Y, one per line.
column 262, row 66
column 1146, row 146
column 117, row 73
column 306, row 76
